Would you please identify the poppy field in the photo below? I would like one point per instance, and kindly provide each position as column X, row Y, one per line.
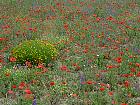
column 98, row 44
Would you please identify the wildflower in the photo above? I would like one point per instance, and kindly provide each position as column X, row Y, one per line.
column 121, row 22
column 98, row 19
column 94, row 15
column 126, row 49
column 28, row 91
column 64, row 83
column 98, row 75
column 113, row 102
column 102, row 84
column 22, row 85
column 85, row 51
column 34, row 101
column 30, row 29
column 1, row 60
column 121, row 53
column 110, row 66
column 68, row 70
column 77, row 68
column 66, row 26
column 109, row 39
column 124, row 75
column 118, row 59
column 52, row 83
column 126, row 84
column 40, row 66
column 63, row 68
column 131, row 75
column 133, row 70
column 110, row 18
column 0, row 66
column 14, row 86
column 138, row 74
column 10, row 92
column 28, row 64
column 12, row 59
column 110, row 93
column 44, row 70
column 74, row 95
column 130, row 63
column 102, row 89
column 137, row 64
column 129, row 95
column 82, row 77
column 89, row 82
column 1, row 39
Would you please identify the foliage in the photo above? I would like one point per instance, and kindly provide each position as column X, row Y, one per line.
column 36, row 51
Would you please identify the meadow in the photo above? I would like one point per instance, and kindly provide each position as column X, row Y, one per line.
column 99, row 52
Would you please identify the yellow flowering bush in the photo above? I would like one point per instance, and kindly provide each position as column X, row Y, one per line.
column 35, row 51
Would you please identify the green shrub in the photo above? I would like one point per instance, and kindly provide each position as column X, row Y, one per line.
column 35, row 51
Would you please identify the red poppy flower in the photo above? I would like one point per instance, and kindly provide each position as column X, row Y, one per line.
column 95, row 15
column 110, row 18
column 1, row 39
column 110, row 66
column 1, row 60
column 137, row 64
column 28, row 91
column 98, row 19
column 10, row 91
column 138, row 74
column 110, row 93
column 14, row 86
column 40, row 66
column 133, row 70
column 52, row 83
column 20, row 87
column 89, row 82
column 22, row 84
column 77, row 68
column 74, row 95
column 113, row 102
column 126, row 84
column 118, row 59
column 44, row 70
column 63, row 68
column 102, row 89
column 28, row 64
column 126, row 49
column 66, row 26
column 12, row 59
column 64, row 83
column 85, row 51
column 98, row 75
column 121, row 53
